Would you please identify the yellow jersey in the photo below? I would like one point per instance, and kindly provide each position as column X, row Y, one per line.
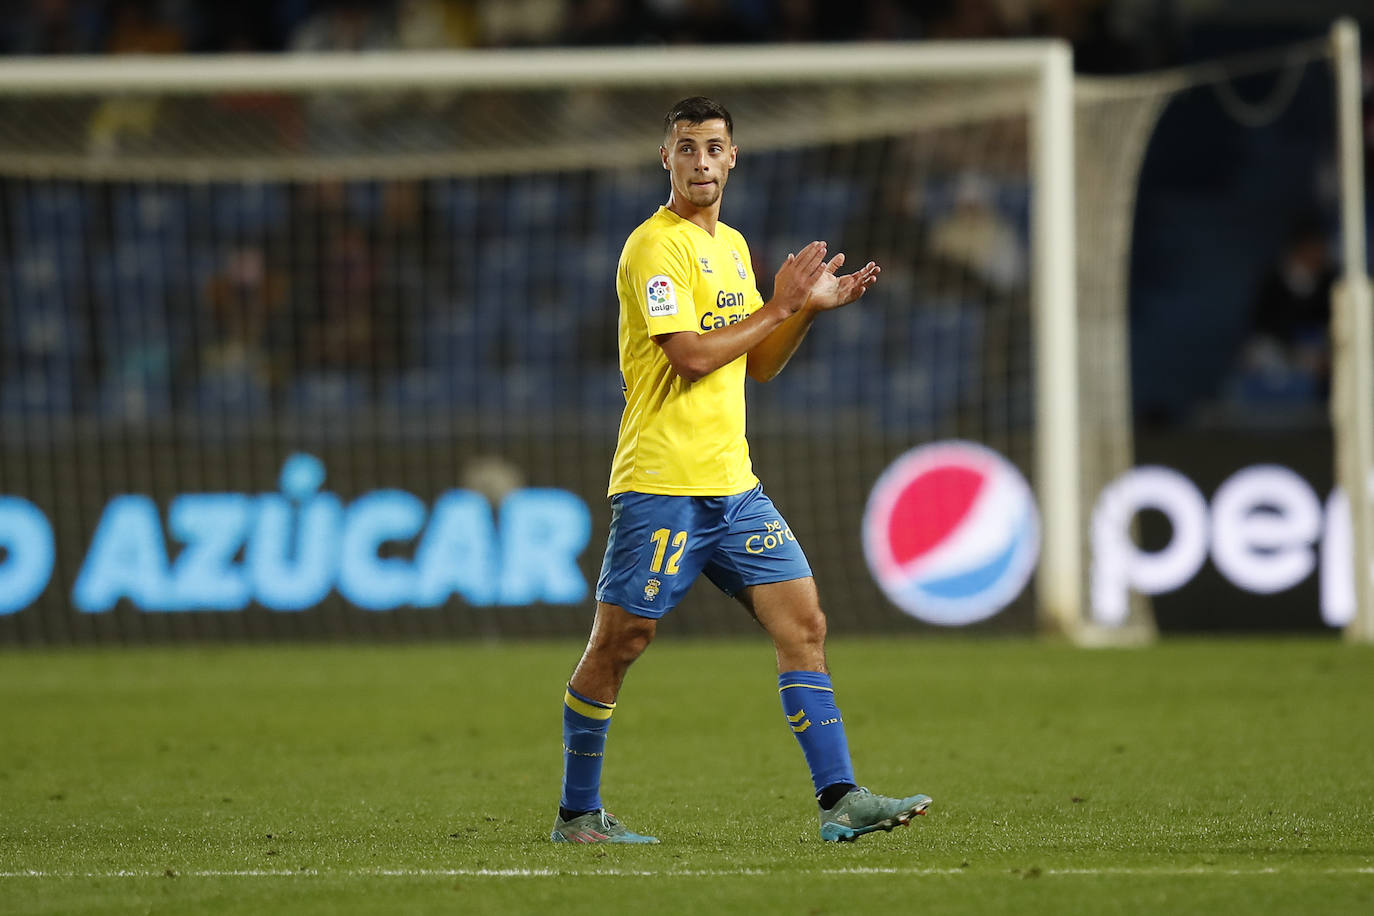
column 681, row 438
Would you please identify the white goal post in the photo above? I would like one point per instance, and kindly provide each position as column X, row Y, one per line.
column 1352, row 402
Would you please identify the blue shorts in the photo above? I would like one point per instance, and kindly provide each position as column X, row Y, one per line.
column 659, row 544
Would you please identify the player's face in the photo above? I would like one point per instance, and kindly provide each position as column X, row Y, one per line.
column 699, row 158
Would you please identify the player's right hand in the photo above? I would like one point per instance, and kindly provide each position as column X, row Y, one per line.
column 798, row 274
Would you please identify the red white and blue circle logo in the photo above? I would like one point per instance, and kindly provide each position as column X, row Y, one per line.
column 951, row 532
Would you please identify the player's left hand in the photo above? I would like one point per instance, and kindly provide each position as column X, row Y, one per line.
column 831, row 291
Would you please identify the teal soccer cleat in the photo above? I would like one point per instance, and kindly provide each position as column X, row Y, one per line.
column 595, row 827
column 862, row 812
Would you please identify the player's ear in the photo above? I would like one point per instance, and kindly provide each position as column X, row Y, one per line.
column 734, row 153
column 663, row 154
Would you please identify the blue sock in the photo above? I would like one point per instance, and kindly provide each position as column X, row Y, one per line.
column 808, row 702
column 585, row 723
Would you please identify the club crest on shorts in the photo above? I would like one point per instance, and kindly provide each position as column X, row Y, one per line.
column 651, row 588
column 951, row 532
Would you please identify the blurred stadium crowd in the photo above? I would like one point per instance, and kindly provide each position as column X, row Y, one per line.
column 130, row 301
column 164, row 26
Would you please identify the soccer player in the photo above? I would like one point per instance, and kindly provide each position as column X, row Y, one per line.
column 684, row 498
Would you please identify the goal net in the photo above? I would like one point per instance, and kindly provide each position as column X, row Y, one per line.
column 327, row 346
column 1283, row 106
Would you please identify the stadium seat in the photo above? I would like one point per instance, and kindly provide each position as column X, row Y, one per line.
column 230, row 392
column 44, row 389
column 418, row 390
column 327, row 392
column 543, row 327
column 131, row 287
column 157, row 215
column 1012, row 199
column 601, row 393
column 578, row 273
column 624, row 199
column 536, row 204
column 457, row 205
column 365, row 199
column 531, row 388
column 461, row 332
column 239, row 210
column 834, row 367
column 934, row 361
column 48, row 214
column 46, row 304
column 745, row 207
column 814, row 210
column 457, row 387
column 131, row 395
column 1259, row 388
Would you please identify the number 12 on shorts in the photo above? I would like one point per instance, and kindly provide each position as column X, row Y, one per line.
column 660, row 539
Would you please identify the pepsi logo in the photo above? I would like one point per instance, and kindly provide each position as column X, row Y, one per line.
column 951, row 532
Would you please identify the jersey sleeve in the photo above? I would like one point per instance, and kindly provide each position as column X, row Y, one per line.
column 659, row 278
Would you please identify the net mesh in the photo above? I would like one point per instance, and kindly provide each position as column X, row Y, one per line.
column 326, row 296
column 1275, row 106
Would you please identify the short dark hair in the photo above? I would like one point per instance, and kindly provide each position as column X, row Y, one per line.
column 697, row 110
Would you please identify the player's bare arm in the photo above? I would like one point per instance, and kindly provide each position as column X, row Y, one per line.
column 695, row 356
column 830, row 291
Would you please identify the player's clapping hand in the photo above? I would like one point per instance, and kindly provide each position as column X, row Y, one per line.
column 832, row 291
column 796, row 279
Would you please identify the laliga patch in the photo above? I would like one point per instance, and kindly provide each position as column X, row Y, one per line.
column 662, row 296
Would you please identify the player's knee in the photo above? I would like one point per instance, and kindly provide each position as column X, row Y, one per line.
column 625, row 643
column 804, row 632
column 811, row 628
column 637, row 638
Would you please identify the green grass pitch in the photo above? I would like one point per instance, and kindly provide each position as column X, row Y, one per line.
column 1196, row 776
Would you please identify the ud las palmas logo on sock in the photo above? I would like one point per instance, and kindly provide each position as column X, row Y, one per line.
column 951, row 532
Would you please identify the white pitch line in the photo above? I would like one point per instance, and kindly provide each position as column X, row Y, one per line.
column 1124, row 871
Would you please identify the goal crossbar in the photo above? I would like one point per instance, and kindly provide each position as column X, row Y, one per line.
column 517, row 69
